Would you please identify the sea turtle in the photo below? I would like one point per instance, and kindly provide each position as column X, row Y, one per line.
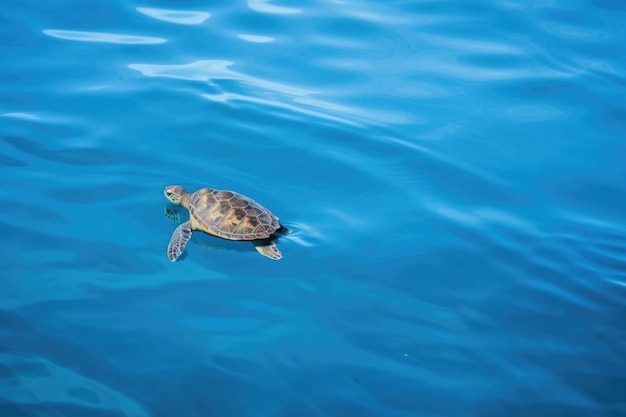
column 225, row 214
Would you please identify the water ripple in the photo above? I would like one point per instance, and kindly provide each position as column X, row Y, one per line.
column 75, row 35
column 209, row 70
column 175, row 16
column 256, row 38
column 33, row 380
column 450, row 173
column 265, row 6
column 214, row 71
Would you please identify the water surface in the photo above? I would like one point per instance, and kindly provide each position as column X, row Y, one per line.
column 452, row 174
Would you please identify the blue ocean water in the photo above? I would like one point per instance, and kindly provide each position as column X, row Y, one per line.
column 452, row 173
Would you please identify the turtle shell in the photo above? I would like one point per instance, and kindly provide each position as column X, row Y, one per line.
column 231, row 215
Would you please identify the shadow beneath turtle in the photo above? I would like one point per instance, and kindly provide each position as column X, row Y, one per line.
column 211, row 242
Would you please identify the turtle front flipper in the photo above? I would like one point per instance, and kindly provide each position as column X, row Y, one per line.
column 268, row 249
column 172, row 214
column 179, row 239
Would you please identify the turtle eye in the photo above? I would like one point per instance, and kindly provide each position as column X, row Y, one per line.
column 168, row 192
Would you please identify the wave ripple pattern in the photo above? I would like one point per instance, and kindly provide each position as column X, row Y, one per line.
column 452, row 174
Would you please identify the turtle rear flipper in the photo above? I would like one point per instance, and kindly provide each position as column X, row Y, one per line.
column 179, row 240
column 268, row 249
column 283, row 230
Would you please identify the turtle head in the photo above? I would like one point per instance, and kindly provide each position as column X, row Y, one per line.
column 175, row 193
